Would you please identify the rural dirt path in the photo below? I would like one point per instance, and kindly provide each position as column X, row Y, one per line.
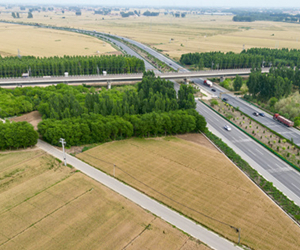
column 211, row 239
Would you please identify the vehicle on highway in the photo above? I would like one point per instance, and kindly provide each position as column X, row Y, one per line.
column 256, row 113
column 262, row 114
column 213, row 90
column 225, row 99
column 283, row 120
column 226, row 127
column 208, row 83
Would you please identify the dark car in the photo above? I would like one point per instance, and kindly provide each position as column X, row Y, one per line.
column 256, row 113
column 262, row 114
column 225, row 99
column 213, row 90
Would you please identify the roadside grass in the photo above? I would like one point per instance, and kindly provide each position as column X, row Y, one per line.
column 175, row 171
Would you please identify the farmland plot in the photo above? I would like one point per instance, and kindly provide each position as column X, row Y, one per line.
column 180, row 174
column 45, row 205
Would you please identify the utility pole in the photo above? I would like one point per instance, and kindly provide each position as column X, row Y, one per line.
column 63, row 143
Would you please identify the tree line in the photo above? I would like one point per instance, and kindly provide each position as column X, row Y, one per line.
column 251, row 58
column 92, row 128
column 278, row 83
column 17, row 135
column 151, row 94
column 265, row 16
column 75, row 65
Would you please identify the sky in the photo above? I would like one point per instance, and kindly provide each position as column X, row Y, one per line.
column 172, row 3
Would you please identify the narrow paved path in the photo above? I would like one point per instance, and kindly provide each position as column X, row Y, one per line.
column 174, row 218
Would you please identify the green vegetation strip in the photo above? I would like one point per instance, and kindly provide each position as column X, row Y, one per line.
column 264, row 145
column 286, row 204
column 274, row 132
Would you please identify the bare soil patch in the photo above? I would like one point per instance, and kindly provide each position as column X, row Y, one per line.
column 183, row 174
column 33, row 118
column 45, row 205
column 198, row 139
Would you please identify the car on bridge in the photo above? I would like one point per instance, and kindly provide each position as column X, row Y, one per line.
column 262, row 114
column 256, row 113
column 213, row 90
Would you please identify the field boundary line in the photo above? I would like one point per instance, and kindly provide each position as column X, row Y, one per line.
column 27, row 199
column 251, row 180
column 55, row 210
column 147, row 227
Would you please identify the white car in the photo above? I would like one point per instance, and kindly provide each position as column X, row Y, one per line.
column 227, row 128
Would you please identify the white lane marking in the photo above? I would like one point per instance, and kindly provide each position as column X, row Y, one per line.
column 295, row 186
column 251, row 152
column 259, row 151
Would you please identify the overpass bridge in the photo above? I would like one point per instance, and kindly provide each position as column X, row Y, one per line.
column 117, row 79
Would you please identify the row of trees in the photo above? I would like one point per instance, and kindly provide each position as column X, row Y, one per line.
column 17, row 135
column 251, row 58
column 75, row 65
column 22, row 100
column 276, row 84
column 97, row 128
column 152, row 94
column 265, row 16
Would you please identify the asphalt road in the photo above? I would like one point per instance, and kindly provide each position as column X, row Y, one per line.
column 248, row 109
column 289, row 133
column 283, row 176
column 172, row 217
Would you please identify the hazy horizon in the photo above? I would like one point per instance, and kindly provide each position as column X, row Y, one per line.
column 167, row 3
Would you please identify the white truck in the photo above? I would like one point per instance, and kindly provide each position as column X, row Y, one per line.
column 208, row 83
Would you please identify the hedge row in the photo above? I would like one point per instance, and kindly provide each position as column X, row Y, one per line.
column 286, row 204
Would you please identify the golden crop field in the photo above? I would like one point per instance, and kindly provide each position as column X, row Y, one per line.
column 48, row 42
column 175, row 36
column 173, row 170
column 45, row 205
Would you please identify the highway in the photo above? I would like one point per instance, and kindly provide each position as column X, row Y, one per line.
column 248, row 109
column 283, row 176
column 287, row 132
column 172, row 217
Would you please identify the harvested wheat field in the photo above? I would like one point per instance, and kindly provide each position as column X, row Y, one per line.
column 35, row 41
column 203, row 179
column 176, row 36
column 44, row 205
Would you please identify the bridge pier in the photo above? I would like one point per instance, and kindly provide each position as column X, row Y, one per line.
column 222, row 78
column 108, row 84
column 186, row 81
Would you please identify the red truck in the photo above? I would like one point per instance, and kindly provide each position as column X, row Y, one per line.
column 283, row 120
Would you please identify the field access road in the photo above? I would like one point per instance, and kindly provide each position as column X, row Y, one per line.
column 172, row 217
column 283, row 176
